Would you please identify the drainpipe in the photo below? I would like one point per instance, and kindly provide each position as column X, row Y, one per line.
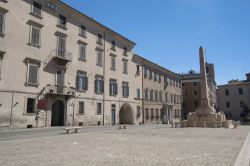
column 11, row 110
column 142, row 92
column 104, row 78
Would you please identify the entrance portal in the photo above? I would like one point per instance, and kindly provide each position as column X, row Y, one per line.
column 57, row 114
column 126, row 114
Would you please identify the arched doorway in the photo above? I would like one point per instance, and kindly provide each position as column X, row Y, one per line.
column 126, row 114
column 57, row 113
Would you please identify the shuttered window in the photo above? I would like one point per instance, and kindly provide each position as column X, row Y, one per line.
column 82, row 81
column 99, row 86
column 99, row 58
column 99, row 108
column 112, row 62
column 125, row 67
column 33, row 74
column 61, row 47
column 1, row 23
column 82, row 52
column 125, row 89
column 112, row 88
column 81, row 107
column 35, row 36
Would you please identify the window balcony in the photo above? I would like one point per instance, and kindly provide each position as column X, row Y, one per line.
column 61, row 57
column 59, row 90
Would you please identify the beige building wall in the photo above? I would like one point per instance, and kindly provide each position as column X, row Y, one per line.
column 231, row 100
column 164, row 82
column 18, row 53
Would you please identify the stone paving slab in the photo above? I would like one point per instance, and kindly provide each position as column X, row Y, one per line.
column 150, row 145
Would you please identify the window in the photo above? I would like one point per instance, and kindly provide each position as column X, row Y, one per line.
column 81, row 107
column 147, row 113
column 138, row 93
column 145, row 73
column 99, row 108
column 195, row 92
column 160, row 96
column 146, row 94
column 166, row 97
column 125, row 89
column 183, row 84
column 185, row 93
column 125, row 66
column 138, row 111
column 184, row 104
column 62, row 21
column 226, row 92
column 194, row 83
column 2, row 18
column 113, row 67
column 125, row 50
column 52, row 6
column 31, row 102
column 170, row 81
column 151, row 94
column 82, row 52
column 240, row 91
column 228, row 104
column 1, row 61
column 37, row 8
column 32, row 74
column 171, row 98
column 150, row 75
column 241, row 103
column 35, row 36
column 152, row 113
column 61, row 47
column 82, row 31
column 113, row 45
column 159, row 78
column 99, row 58
column 195, row 104
column 99, row 85
column 155, row 76
column 156, row 95
column 99, row 39
column 112, row 87
column 82, row 81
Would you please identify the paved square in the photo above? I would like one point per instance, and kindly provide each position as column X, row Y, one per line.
column 147, row 145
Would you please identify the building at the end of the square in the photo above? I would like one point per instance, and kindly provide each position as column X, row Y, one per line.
column 234, row 98
column 191, row 89
column 161, row 92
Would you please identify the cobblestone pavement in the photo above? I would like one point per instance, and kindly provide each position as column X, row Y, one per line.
column 136, row 146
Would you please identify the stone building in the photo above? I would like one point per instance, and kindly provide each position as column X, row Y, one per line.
column 59, row 67
column 191, row 90
column 233, row 97
column 161, row 95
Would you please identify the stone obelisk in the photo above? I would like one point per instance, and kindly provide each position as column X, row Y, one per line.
column 204, row 108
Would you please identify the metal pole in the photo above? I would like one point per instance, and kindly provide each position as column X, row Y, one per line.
column 11, row 110
column 142, row 92
column 104, row 53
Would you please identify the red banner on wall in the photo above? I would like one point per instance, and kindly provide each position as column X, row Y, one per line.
column 41, row 105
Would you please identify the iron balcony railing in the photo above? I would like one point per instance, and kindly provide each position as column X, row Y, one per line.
column 60, row 90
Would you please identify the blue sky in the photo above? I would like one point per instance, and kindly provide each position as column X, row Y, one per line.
column 169, row 32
